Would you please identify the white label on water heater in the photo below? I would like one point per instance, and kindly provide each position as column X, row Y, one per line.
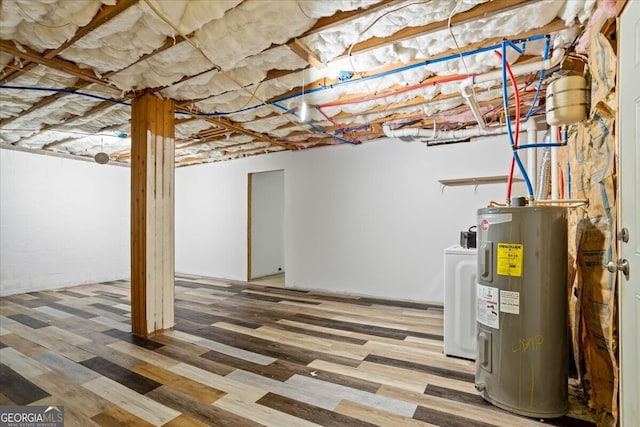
column 510, row 302
column 488, row 312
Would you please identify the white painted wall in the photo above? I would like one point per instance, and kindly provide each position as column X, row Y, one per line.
column 369, row 219
column 211, row 215
column 267, row 223
column 374, row 220
column 63, row 222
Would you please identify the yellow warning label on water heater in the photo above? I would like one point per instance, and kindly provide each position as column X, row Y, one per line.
column 510, row 258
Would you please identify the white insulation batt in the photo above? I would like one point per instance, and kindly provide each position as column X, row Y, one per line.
column 234, row 44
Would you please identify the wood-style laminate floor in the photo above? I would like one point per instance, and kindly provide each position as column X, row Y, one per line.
column 240, row 355
column 274, row 281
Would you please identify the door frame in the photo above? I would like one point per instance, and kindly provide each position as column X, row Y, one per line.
column 249, row 214
column 629, row 415
column 250, row 237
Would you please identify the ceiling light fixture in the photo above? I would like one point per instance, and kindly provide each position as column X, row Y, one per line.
column 101, row 158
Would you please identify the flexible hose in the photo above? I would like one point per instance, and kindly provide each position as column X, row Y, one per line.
column 544, row 176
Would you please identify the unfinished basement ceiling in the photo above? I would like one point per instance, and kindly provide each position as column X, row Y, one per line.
column 240, row 70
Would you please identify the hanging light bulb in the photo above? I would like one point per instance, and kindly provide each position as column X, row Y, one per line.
column 304, row 111
column 304, row 108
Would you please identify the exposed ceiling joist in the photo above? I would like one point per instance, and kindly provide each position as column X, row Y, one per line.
column 7, row 76
column 258, row 62
column 56, row 143
column 300, row 49
column 340, row 18
column 483, row 10
column 227, row 124
column 104, row 15
column 71, row 119
column 55, row 62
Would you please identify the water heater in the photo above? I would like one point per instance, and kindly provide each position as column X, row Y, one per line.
column 522, row 359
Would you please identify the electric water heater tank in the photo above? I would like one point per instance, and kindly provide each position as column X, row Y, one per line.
column 522, row 359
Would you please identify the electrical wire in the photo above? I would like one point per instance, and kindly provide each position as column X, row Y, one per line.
column 455, row 41
column 367, row 28
column 264, row 103
column 228, row 75
column 253, row 95
column 404, row 68
column 37, row 21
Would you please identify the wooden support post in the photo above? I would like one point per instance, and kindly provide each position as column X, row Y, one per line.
column 152, row 215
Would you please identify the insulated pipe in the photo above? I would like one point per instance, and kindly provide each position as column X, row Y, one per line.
column 532, row 155
column 554, row 163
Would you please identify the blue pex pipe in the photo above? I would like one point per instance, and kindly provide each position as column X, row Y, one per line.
column 410, row 67
column 516, row 48
column 295, row 95
column 541, row 145
column 505, row 98
column 569, row 179
column 72, row 92
column 535, row 98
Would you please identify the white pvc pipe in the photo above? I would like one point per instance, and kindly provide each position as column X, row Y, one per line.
column 532, row 153
column 519, row 69
column 466, row 91
column 434, row 134
column 554, row 163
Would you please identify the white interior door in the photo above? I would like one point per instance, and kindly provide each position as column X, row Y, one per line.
column 629, row 288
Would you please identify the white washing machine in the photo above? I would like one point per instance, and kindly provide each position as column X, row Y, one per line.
column 460, row 273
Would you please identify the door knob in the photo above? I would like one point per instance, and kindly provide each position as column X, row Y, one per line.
column 621, row 265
